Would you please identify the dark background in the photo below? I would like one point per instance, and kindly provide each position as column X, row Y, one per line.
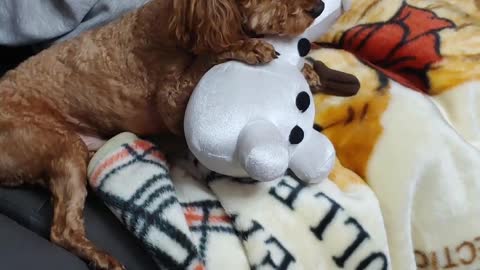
column 10, row 57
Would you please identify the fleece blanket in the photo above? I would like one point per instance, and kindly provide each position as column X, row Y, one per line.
column 413, row 131
column 403, row 194
column 190, row 218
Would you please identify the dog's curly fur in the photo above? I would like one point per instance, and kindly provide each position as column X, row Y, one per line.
column 135, row 74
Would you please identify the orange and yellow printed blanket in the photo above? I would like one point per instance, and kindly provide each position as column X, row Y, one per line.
column 413, row 131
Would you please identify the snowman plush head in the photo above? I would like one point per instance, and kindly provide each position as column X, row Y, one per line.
column 257, row 121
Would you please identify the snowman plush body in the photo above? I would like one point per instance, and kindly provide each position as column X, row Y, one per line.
column 257, row 121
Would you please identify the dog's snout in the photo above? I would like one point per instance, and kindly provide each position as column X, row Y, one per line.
column 318, row 10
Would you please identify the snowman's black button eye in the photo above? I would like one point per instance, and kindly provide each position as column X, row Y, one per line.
column 303, row 101
column 304, row 47
column 296, row 135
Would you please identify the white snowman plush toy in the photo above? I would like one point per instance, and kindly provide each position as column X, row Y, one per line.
column 257, row 121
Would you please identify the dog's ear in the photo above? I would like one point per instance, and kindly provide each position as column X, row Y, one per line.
column 206, row 25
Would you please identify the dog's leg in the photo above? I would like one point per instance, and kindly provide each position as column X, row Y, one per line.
column 173, row 100
column 312, row 78
column 19, row 164
column 251, row 51
column 68, row 186
column 52, row 156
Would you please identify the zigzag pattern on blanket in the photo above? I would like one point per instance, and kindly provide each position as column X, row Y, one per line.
column 132, row 178
column 147, row 205
column 205, row 218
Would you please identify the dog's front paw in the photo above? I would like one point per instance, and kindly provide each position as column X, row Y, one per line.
column 252, row 51
column 312, row 78
column 259, row 52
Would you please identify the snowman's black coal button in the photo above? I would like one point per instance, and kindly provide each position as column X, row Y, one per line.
column 304, row 47
column 296, row 135
column 303, row 101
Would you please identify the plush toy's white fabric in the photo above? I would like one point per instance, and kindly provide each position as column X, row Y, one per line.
column 252, row 121
column 257, row 121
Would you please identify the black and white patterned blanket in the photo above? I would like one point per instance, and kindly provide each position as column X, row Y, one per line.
column 190, row 218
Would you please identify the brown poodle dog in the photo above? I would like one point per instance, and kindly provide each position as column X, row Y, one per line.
column 135, row 74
